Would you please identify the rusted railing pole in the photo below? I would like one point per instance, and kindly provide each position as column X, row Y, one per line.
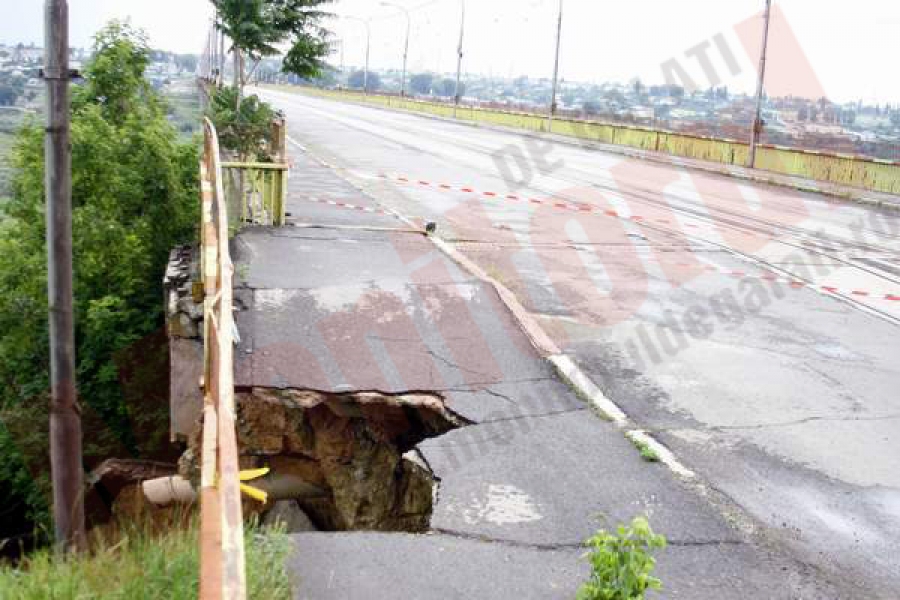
column 222, row 573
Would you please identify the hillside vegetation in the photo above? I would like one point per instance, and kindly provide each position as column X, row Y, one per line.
column 134, row 196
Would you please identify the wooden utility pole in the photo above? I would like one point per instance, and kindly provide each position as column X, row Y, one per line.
column 65, row 414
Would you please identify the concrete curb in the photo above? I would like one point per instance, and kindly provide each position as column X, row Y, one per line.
column 565, row 367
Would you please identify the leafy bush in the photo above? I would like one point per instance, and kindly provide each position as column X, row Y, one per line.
column 134, row 197
column 247, row 130
column 621, row 564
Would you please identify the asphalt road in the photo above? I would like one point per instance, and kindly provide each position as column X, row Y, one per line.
column 752, row 328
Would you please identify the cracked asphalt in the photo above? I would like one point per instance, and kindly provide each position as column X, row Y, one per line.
column 780, row 399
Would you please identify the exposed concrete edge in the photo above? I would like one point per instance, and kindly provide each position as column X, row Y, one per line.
column 765, row 177
column 565, row 367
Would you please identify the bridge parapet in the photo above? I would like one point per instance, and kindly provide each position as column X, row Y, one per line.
column 221, row 525
column 861, row 172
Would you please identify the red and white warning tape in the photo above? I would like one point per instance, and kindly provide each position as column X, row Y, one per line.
column 579, row 208
column 348, row 206
column 770, row 277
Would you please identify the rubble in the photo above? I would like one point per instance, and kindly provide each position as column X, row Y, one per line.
column 355, row 451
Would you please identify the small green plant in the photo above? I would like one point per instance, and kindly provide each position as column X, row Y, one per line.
column 621, row 564
column 647, row 452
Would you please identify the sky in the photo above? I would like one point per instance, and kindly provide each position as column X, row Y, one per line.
column 849, row 49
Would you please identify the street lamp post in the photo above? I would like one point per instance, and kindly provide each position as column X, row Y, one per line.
column 405, row 44
column 760, row 88
column 459, row 57
column 368, row 43
column 555, row 69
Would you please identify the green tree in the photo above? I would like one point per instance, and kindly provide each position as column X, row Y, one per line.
column 244, row 131
column 134, row 197
column 187, row 62
column 358, row 79
column 8, row 95
column 257, row 27
column 421, row 83
column 448, row 88
column 114, row 79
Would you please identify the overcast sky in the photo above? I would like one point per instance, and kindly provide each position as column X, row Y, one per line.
column 851, row 47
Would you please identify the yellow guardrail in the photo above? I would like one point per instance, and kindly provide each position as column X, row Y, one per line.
column 256, row 192
column 858, row 171
column 222, row 573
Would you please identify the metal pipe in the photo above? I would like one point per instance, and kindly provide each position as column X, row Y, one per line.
column 555, row 69
column 175, row 489
column 65, row 415
column 459, row 52
column 760, row 87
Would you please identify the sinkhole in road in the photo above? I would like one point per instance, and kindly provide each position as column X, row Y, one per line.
column 349, row 459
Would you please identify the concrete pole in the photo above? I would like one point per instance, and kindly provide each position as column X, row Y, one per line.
column 760, row 88
column 368, row 46
column 214, row 48
column 405, row 45
column 65, row 415
column 459, row 57
column 220, row 80
column 238, row 78
column 555, row 69
column 368, row 43
column 405, row 52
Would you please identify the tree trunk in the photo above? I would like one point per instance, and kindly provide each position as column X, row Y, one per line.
column 238, row 78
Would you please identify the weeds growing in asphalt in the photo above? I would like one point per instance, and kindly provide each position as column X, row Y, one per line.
column 621, row 563
column 647, row 452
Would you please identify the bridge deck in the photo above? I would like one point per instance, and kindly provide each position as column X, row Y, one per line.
column 346, row 299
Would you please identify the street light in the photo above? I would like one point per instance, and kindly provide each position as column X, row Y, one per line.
column 555, row 69
column 459, row 51
column 760, row 88
column 368, row 40
column 405, row 45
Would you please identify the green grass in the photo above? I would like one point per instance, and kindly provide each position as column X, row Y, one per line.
column 144, row 566
column 647, row 453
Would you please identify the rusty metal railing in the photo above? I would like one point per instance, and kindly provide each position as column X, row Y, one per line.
column 256, row 192
column 841, row 169
column 222, row 573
